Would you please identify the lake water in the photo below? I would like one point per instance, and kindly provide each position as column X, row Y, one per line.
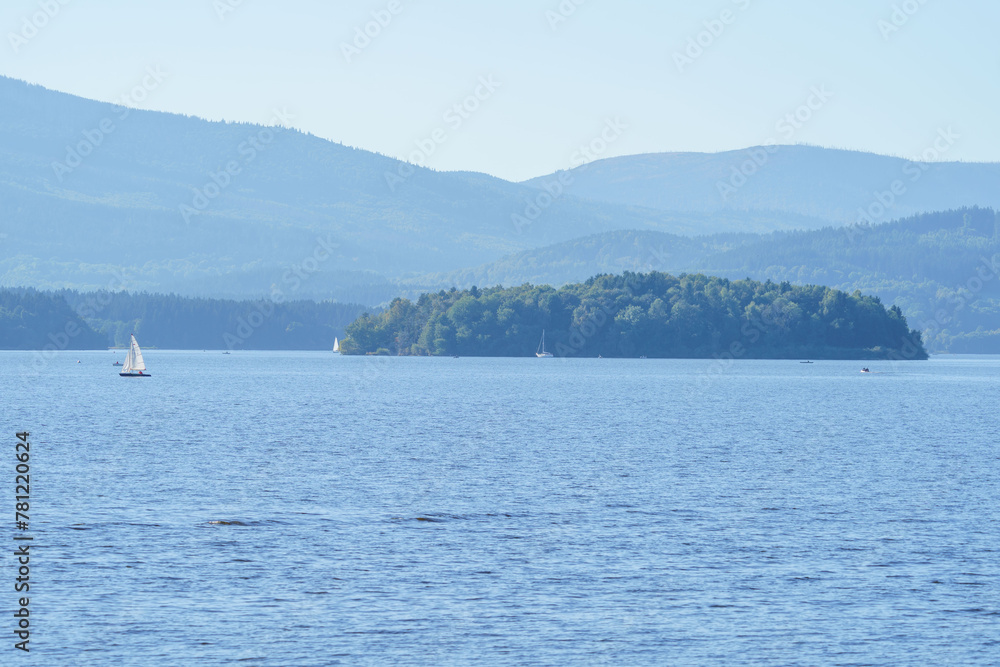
column 506, row 511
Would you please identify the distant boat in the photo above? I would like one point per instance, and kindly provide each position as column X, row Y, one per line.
column 134, row 364
column 336, row 344
column 540, row 352
column 226, row 352
column 805, row 362
column 117, row 363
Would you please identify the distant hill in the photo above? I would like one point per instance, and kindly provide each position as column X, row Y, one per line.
column 94, row 196
column 826, row 185
column 942, row 269
column 576, row 260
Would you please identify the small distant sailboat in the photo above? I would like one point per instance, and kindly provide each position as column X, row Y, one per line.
column 540, row 352
column 336, row 344
column 134, row 364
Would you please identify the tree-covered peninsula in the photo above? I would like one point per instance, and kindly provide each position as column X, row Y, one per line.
column 34, row 320
column 635, row 315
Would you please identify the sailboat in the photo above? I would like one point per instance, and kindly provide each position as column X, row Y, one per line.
column 540, row 352
column 336, row 344
column 134, row 364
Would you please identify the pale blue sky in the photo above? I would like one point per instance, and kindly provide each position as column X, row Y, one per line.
column 558, row 87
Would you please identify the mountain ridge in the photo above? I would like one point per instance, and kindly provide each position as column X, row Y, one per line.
column 834, row 185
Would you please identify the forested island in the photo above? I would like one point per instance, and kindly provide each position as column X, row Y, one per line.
column 642, row 315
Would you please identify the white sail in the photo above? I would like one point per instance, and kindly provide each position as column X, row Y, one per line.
column 129, row 358
column 540, row 352
column 137, row 363
column 133, row 360
column 336, row 344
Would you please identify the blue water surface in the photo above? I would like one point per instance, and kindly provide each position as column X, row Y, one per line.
column 266, row 508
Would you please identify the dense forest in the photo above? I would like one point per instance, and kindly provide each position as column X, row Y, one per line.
column 30, row 319
column 633, row 314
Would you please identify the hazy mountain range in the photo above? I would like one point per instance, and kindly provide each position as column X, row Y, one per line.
column 96, row 196
column 230, row 209
column 182, row 204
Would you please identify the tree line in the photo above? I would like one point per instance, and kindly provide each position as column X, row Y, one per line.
column 32, row 319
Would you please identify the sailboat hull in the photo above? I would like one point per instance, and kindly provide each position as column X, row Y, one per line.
column 540, row 352
column 134, row 366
